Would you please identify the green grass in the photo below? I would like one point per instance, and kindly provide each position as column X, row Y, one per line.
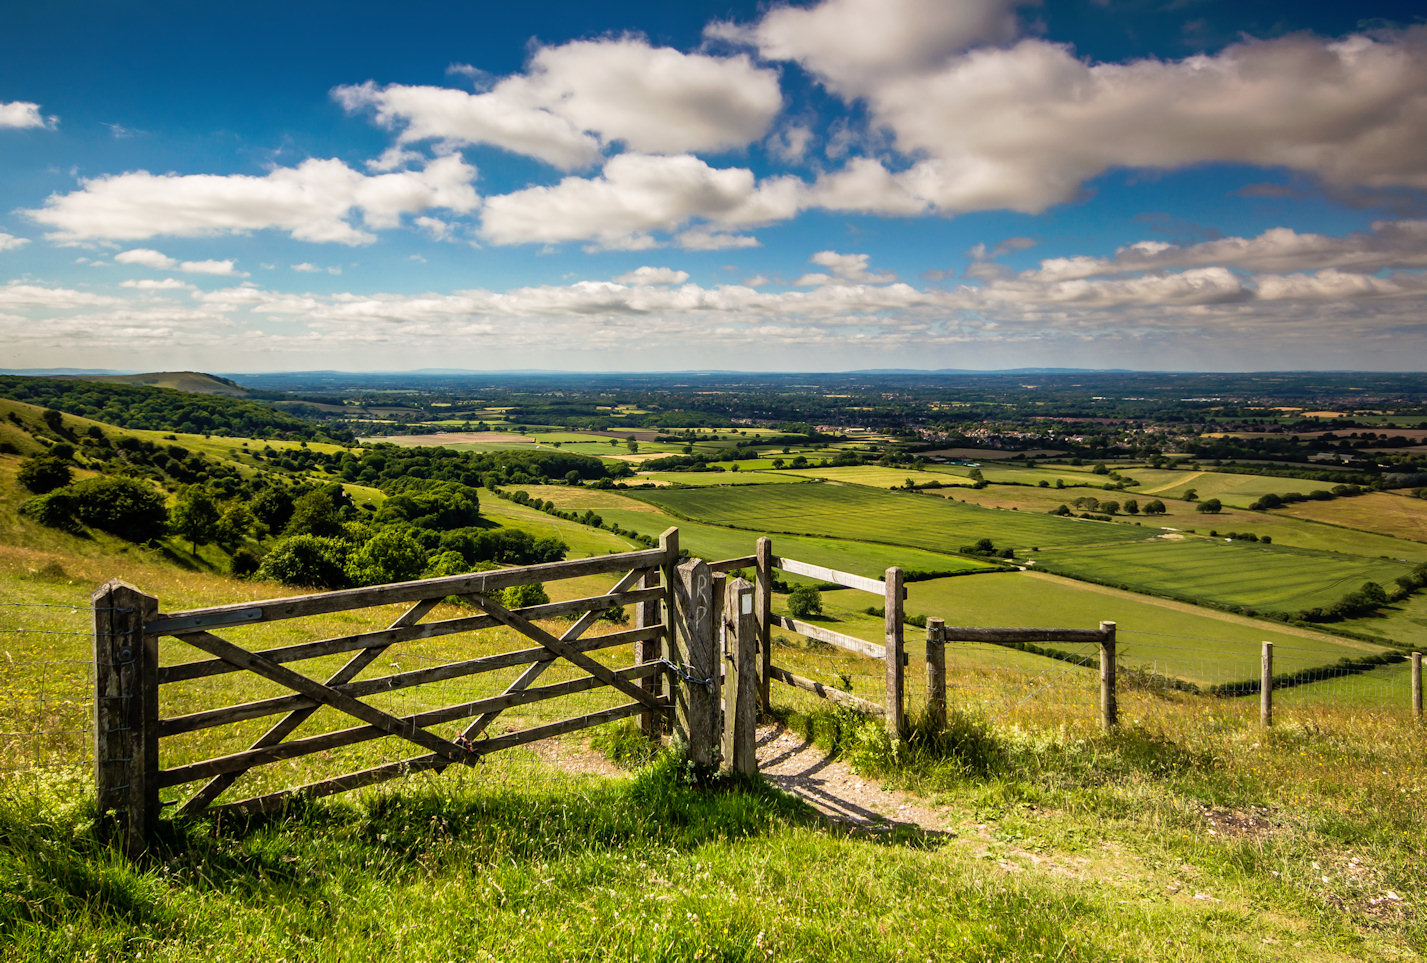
column 701, row 479
column 714, row 542
column 1166, row 638
column 878, row 477
column 1061, row 843
column 1066, row 845
column 1267, row 578
column 1229, row 488
column 1389, row 514
column 582, row 539
column 1404, row 623
column 856, row 512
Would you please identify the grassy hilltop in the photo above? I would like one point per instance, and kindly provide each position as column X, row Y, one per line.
column 1190, row 833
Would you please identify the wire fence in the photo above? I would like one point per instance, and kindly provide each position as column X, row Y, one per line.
column 46, row 686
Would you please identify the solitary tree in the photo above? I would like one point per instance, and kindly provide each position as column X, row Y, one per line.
column 233, row 526
column 804, row 601
column 195, row 517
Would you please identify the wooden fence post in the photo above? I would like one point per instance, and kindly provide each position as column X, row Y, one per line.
column 896, row 713
column 696, row 699
column 936, row 673
column 1417, row 685
column 1266, row 686
column 763, row 605
column 126, row 734
column 740, row 694
column 646, row 614
column 1109, row 710
column 669, row 569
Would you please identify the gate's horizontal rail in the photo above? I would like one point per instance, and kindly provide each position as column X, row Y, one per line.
column 428, row 630
column 322, row 603
column 209, row 718
column 875, row 586
column 242, row 761
column 849, row 642
column 404, row 767
column 729, row 564
column 832, row 695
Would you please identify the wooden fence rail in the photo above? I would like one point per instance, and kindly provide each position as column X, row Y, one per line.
column 891, row 652
column 128, row 627
column 702, row 665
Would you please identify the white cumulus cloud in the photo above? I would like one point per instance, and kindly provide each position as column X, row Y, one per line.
column 855, row 44
column 634, row 195
column 8, row 242
column 315, row 201
column 23, row 114
column 987, row 122
column 577, row 97
column 845, row 269
column 653, row 275
column 1390, row 244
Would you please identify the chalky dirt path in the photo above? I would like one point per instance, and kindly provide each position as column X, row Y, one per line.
column 796, row 766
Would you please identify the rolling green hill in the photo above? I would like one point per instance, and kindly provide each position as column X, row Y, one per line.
column 158, row 408
column 194, row 382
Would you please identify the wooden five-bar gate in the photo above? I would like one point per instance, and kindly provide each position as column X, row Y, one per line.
column 701, row 666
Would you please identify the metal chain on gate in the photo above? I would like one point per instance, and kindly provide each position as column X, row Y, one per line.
column 684, row 674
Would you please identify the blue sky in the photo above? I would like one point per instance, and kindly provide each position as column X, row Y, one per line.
column 633, row 186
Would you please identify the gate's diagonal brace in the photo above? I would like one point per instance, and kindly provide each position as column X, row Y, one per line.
column 326, row 695
column 289, row 723
column 531, row 630
column 534, row 670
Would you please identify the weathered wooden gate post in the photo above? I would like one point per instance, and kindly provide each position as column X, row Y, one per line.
column 763, row 605
column 126, row 712
column 669, row 570
column 1109, row 709
column 740, row 712
column 936, row 673
column 896, row 713
column 694, row 652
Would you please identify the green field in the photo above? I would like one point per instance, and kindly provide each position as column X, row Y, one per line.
column 1229, row 488
column 1268, row 578
column 1273, row 578
column 702, row 479
column 1390, row 514
column 865, row 514
column 714, row 542
column 878, row 477
column 1283, row 528
column 1405, row 623
column 1168, row 638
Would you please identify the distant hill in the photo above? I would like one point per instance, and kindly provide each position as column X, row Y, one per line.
column 195, row 382
column 151, row 407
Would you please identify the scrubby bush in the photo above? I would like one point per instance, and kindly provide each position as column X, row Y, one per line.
column 391, row 555
column 124, row 507
column 521, row 596
column 55, row 510
column 42, row 474
column 308, row 560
